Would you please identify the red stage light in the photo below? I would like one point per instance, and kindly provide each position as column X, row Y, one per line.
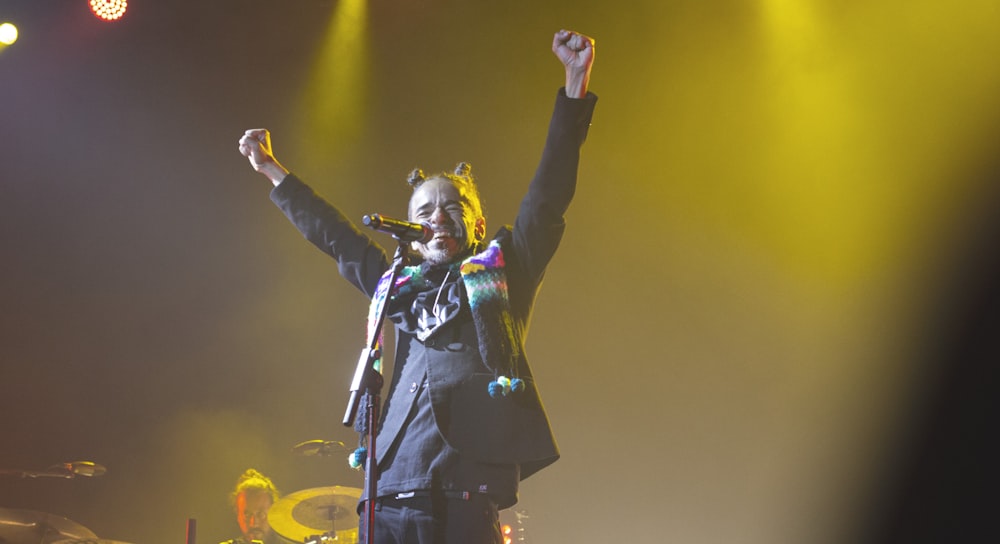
column 109, row 10
column 507, row 530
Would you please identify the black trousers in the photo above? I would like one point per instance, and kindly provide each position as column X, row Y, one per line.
column 434, row 520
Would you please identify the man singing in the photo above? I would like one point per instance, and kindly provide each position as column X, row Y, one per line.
column 463, row 421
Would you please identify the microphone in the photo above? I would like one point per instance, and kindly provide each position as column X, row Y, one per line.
column 404, row 231
column 317, row 447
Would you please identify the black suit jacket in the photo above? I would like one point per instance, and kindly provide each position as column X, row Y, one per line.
column 514, row 429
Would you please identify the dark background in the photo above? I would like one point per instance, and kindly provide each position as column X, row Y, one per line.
column 748, row 334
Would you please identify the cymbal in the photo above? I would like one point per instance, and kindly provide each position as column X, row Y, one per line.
column 31, row 527
column 88, row 541
column 300, row 515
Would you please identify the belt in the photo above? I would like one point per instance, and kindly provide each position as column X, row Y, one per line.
column 424, row 499
column 460, row 495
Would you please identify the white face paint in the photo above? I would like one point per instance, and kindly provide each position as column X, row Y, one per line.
column 439, row 203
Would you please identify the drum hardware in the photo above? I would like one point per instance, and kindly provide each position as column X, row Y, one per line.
column 319, row 539
column 64, row 470
column 319, row 447
column 89, row 541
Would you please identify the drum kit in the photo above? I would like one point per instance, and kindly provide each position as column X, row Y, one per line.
column 311, row 516
column 31, row 527
column 322, row 514
column 28, row 526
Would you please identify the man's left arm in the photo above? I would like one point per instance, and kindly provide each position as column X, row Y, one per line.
column 540, row 221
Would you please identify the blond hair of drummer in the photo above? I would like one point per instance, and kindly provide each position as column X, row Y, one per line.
column 252, row 498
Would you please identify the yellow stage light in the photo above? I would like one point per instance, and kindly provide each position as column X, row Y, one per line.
column 333, row 107
column 8, row 33
column 109, row 10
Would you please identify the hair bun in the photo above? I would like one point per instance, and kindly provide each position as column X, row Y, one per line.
column 416, row 177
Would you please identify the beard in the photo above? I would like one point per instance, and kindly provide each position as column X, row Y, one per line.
column 444, row 248
column 437, row 256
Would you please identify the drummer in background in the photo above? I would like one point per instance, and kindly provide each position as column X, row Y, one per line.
column 252, row 498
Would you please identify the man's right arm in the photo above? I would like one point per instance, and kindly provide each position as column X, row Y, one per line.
column 255, row 145
column 360, row 260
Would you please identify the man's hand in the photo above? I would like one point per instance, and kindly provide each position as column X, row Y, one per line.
column 576, row 52
column 255, row 144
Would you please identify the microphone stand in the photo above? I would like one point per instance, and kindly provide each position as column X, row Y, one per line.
column 368, row 382
column 51, row 473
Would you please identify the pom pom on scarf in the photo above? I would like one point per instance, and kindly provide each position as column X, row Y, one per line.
column 496, row 390
column 503, row 386
column 357, row 458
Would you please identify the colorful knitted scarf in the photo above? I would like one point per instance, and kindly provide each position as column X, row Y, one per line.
column 486, row 285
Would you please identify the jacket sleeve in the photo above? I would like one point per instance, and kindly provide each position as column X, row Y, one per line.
column 541, row 221
column 360, row 260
